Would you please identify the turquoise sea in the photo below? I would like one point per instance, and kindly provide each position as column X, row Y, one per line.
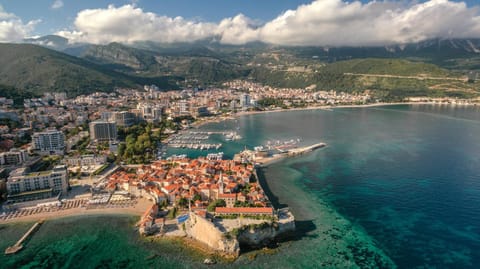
column 397, row 186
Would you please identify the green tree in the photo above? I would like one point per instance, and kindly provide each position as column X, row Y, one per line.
column 217, row 203
column 197, row 197
column 183, row 202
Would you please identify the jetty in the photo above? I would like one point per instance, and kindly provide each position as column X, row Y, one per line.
column 259, row 156
column 297, row 151
column 19, row 245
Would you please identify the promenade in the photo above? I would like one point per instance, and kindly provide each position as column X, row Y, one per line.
column 76, row 207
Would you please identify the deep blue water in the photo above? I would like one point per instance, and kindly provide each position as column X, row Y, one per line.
column 400, row 181
column 409, row 176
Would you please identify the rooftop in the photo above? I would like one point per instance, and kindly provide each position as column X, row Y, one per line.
column 244, row 210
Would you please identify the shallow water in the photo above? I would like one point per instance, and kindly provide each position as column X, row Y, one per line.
column 399, row 182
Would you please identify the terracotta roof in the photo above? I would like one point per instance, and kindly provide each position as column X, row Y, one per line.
column 244, row 210
column 227, row 195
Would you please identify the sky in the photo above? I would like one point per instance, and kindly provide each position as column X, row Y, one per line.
column 283, row 22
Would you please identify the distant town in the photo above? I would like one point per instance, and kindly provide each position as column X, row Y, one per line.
column 105, row 153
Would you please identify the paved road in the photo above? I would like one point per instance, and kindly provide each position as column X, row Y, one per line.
column 464, row 79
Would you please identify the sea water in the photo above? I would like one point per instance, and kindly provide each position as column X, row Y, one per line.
column 396, row 186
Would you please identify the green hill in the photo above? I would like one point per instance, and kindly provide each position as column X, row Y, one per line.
column 118, row 54
column 397, row 67
column 16, row 94
column 194, row 63
column 393, row 79
column 31, row 70
column 37, row 69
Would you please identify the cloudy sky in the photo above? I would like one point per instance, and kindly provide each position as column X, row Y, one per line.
column 284, row 22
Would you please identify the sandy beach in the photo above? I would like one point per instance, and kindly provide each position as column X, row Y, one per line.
column 138, row 209
column 324, row 107
column 328, row 107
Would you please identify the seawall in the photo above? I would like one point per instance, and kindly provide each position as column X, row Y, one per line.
column 228, row 243
column 263, row 234
column 204, row 231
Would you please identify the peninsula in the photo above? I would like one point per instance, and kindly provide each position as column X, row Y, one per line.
column 219, row 203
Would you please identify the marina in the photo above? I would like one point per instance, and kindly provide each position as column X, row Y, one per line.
column 199, row 146
column 198, row 140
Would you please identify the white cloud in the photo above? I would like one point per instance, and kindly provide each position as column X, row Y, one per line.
column 129, row 23
column 57, row 4
column 12, row 29
column 322, row 22
column 237, row 30
column 334, row 22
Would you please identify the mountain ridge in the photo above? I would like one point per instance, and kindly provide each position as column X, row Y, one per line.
column 35, row 69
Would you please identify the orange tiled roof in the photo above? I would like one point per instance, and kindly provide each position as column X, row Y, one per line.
column 244, row 210
column 227, row 195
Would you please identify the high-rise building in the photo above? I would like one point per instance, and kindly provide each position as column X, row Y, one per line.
column 151, row 112
column 103, row 131
column 245, row 100
column 48, row 142
column 24, row 186
column 108, row 116
column 125, row 118
column 184, row 107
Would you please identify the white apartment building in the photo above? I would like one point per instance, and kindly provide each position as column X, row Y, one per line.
column 13, row 157
column 24, row 186
column 151, row 112
column 48, row 142
column 86, row 160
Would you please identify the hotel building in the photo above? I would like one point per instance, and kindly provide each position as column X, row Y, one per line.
column 24, row 186
column 48, row 142
column 103, row 131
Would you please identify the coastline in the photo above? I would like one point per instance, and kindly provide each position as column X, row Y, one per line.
column 222, row 118
column 328, row 107
column 197, row 246
column 320, row 222
column 137, row 210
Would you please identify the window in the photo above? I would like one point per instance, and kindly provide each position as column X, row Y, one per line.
column 57, row 183
column 28, row 187
column 15, row 188
column 36, row 183
column 46, row 183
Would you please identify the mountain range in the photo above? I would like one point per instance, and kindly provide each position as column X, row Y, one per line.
column 434, row 50
column 51, row 63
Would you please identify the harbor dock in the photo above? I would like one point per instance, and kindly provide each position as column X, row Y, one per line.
column 19, row 245
column 260, row 158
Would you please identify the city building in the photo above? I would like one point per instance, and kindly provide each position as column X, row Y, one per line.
column 102, row 131
column 13, row 157
column 108, row 116
column 151, row 112
column 245, row 101
column 125, row 118
column 48, row 142
column 184, row 107
column 3, row 180
column 25, row 186
column 86, row 160
column 202, row 111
